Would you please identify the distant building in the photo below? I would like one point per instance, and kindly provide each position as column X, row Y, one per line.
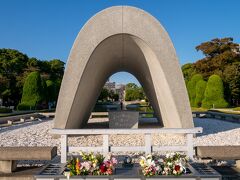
column 119, row 89
column 116, row 88
column 110, row 85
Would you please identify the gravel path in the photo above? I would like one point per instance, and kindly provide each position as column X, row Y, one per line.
column 215, row 132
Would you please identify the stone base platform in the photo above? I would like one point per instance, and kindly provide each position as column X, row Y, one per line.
column 22, row 173
column 195, row 171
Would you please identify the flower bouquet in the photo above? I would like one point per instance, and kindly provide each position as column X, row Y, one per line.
column 91, row 164
column 171, row 164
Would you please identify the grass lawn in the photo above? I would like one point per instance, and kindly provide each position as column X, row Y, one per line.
column 194, row 109
column 226, row 110
column 235, row 110
column 24, row 112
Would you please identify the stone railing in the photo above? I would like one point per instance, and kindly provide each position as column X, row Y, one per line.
column 147, row 148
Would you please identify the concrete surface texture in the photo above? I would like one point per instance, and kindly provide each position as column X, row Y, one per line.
column 123, row 119
column 123, row 38
column 27, row 153
column 219, row 152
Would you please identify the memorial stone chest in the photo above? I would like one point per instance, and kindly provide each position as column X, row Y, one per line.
column 123, row 119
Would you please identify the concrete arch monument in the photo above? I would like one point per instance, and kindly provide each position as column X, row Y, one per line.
column 123, row 38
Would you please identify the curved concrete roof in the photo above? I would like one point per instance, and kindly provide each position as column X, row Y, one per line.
column 123, row 38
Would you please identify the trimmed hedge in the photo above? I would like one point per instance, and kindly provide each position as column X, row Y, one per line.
column 33, row 92
column 191, row 87
column 5, row 110
column 200, row 90
column 214, row 93
column 51, row 90
column 24, row 107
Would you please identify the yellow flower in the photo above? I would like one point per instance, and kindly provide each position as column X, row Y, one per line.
column 142, row 162
column 77, row 167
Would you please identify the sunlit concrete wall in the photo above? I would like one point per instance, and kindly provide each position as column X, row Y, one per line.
column 123, row 38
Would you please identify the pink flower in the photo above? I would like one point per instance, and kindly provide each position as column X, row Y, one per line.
column 114, row 161
column 86, row 165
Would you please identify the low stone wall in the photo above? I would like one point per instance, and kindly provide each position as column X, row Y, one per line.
column 234, row 118
column 4, row 120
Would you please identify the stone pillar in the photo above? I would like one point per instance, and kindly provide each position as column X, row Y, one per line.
column 8, row 166
column 238, row 164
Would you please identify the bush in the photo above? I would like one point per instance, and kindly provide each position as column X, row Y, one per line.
column 25, row 107
column 5, row 110
column 51, row 91
column 214, row 93
column 200, row 90
column 33, row 91
column 191, row 87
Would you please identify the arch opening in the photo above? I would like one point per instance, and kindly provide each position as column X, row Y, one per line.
column 127, row 100
column 120, row 52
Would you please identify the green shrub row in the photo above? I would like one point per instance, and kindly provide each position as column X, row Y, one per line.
column 191, row 86
column 208, row 94
column 25, row 106
column 5, row 110
column 37, row 92
column 214, row 93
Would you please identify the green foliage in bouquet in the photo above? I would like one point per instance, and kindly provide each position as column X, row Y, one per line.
column 91, row 164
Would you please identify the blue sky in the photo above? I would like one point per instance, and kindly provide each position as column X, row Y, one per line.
column 46, row 29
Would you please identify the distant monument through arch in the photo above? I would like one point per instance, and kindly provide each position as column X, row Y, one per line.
column 123, row 38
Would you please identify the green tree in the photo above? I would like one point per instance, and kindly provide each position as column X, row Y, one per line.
column 12, row 64
column 133, row 92
column 221, row 58
column 191, row 87
column 57, row 69
column 131, row 86
column 214, row 93
column 103, row 95
column 51, row 91
column 231, row 78
column 15, row 68
column 44, row 92
column 200, row 90
column 218, row 54
column 33, row 92
column 188, row 71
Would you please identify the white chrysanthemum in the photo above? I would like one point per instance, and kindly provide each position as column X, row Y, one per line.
column 149, row 156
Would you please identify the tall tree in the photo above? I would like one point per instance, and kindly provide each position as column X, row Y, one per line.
column 231, row 78
column 33, row 91
column 133, row 92
column 218, row 54
column 51, row 91
column 191, row 87
column 104, row 94
column 16, row 66
column 12, row 64
column 214, row 93
column 200, row 90
column 222, row 57
column 188, row 71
